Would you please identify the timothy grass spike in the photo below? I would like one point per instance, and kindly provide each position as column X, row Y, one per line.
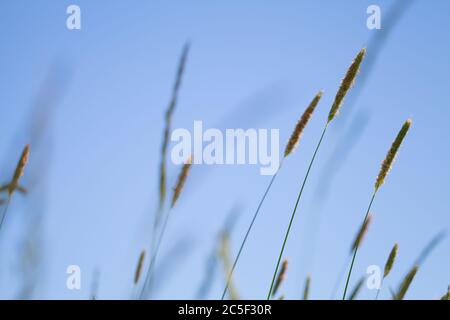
column 181, row 180
column 14, row 184
column 362, row 232
column 307, row 287
column 301, row 124
column 346, row 84
column 293, row 141
column 390, row 157
column 139, row 266
column 406, row 283
column 388, row 266
column 168, row 123
column 390, row 261
column 386, row 166
column 177, row 191
column 281, row 277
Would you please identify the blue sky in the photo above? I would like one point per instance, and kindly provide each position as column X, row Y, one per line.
column 251, row 65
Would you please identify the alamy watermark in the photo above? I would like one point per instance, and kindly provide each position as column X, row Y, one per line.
column 374, row 19
column 73, row 21
column 73, row 281
column 234, row 146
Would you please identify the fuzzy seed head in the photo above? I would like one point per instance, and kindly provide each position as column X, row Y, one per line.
column 281, row 276
column 406, row 283
column 168, row 123
column 390, row 261
column 346, row 84
column 301, row 124
column 181, row 180
column 139, row 266
column 387, row 163
column 361, row 233
column 307, row 286
column 19, row 170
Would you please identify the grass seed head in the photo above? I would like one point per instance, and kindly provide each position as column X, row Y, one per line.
column 181, row 180
column 387, row 163
column 390, row 261
column 301, row 124
column 406, row 283
column 307, row 287
column 139, row 266
column 281, row 276
column 14, row 184
column 346, row 84
column 361, row 233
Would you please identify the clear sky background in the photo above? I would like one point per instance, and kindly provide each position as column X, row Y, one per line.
column 104, row 89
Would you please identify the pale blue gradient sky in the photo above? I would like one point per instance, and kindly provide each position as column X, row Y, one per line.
column 251, row 65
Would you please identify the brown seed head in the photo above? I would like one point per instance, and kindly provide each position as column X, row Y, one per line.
column 361, row 233
column 346, row 84
column 301, row 124
column 386, row 165
column 181, row 180
column 390, row 261
column 406, row 283
column 307, row 286
column 139, row 266
column 168, row 123
column 281, row 276
column 19, row 170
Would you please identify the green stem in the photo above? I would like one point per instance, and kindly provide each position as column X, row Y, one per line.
column 340, row 276
column 379, row 289
column 356, row 249
column 150, row 269
column 5, row 210
column 230, row 275
column 293, row 212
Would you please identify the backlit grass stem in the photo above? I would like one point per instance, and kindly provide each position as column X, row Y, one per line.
column 345, row 86
column 177, row 191
column 290, row 146
column 385, row 168
column 356, row 249
column 269, row 294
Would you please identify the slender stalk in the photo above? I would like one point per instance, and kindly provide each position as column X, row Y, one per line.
column 379, row 289
column 150, row 269
column 230, row 275
column 356, row 249
column 291, row 145
column 295, row 210
column 5, row 210
column 340, row 276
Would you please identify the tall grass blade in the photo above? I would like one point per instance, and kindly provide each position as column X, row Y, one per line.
column 385, row 168
column 290, row 147
column 168, row 123
column 345, row 86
